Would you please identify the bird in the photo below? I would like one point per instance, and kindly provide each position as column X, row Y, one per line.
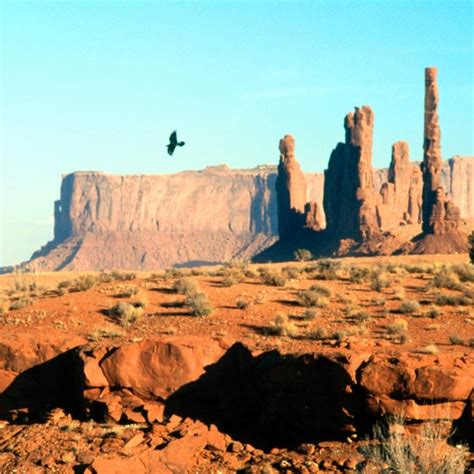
column 173, row 143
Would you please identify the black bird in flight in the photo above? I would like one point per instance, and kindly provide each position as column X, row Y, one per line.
column 173, row 143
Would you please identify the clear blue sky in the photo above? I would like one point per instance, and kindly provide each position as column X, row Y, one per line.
column 100, row 85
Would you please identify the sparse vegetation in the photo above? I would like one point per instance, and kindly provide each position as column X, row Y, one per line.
column 325, row 269
column 471, row 247
column 312, row 298
column 456, row 340
column 303, row 255
column 84, row 283
column 243, row 302
column 272, row 277
column 409, row 307
column 429, row 349
column 452, row 300
column 358, row 274
column 425, row 453
column 293, row 273
column 104, row 333
column 21, row 303
column 399, row 326
column 399, row 293
column 282, row 326
column 444, row 278
column 199, row 304
column 185, row 286
column 378, row 281
column 129, row 291
column 126, row 313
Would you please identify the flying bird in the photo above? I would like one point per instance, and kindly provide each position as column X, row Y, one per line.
column 173, row 143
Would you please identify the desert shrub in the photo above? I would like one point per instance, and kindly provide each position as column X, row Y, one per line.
column 199, row 304
column 399, row 326
column 122, row 276
column 140, row 299
column 293, row 273
column 21, row 303
column 64, row 284
column 282, row 326
column 427, row 452
column 103, row 333
column 450, row 300
column 471, row 247
column 243, row 302
column 172, row 273
column 433, row 312
column 444, row 278
column 303, row 255
column 399, row 293
column 378, row 281
column 358, row 274
column 465, row 272
column 308, row 315
column 261, row 298
column 429, row 349
column 273, row 278
column 418, row 268
column 456, row 340
column 311, row 298
column 316, row 334
column 126, row 313
column 84, row 283
column 359, row 316
column 232, row 278
column 237, row 264
column 60, row 291
column 409, row 307
column 185, row 286
column 129, row 291
column 325, row 269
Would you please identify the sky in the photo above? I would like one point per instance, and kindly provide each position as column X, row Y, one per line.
column 100, row 86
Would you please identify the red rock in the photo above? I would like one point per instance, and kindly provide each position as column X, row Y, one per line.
column 215, row 439
column 180, row 454
column 133, row 442
column 157, row 368
column 291, row 191
column 6, row 378
column 154, row 412
column 442, row 383
column 145, row 463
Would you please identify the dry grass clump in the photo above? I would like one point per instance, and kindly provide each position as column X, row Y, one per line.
column 425, row 453
column 126, row 313
column 272, row 277
column 313, row 298
column 456, row 340
column 358, row 274
column 21, row 303
column 399, row 326
column 429, row 349
column 140, row 299
column 409, row 307
column 303, row 255
column 399, row 293
column 378, row 280
column 292, row 273
column 185, row 286
column 445, row 278
column 129, row 291
column 356, row 316
column 232, row 278
column 172, row 273
column 419, row 268
column 308, row 315
column 243, row 302
column 4, row 307
column 464, row 272
column 433, row 312
column 199, row 304
column 453, row 300
column 325, row 269
column 103, row 333
column 84, row 283
column 282, row 326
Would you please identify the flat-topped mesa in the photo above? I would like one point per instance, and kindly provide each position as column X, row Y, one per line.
column 439, row 214
column 349, row 197
column 291, row 191
column 401, row 194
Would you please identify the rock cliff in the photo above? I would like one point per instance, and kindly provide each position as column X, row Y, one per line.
column 147, row 222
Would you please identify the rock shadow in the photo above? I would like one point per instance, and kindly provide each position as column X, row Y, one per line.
column 270, row 400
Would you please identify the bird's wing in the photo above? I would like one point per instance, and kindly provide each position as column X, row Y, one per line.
column 171, row 149
column 173, row 138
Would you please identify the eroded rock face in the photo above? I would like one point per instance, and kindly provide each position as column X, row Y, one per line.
column 439, row 214
column 401, row 194
column 291, row 190
column 349, row 197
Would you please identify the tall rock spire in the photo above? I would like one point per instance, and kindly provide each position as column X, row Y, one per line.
column 291, row 190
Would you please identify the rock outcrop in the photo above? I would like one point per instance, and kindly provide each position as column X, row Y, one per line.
column 349, row 197
column 441, row 218
column 401, row 194
column 291, row 190
column 147, row 222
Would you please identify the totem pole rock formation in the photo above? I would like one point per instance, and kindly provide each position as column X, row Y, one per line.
column 401, row 194
column 349, row 196
column 441, row 217
column 291, row 191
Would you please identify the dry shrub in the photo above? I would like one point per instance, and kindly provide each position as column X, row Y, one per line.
column 429, row 349
column 21, row 303
column 126, row 313
column 399, row 326
column 465, row 272
column 282, row 326
column 103, row 333
column 199, row 304
column 311, row 298
column 453, row 300
column 272, row 277
column 84, row 283
column 185, row 286
column 444, row 278
column 399, row 293
column 379, row 281
column 4, row 307
column 425, row 453
column 358, row 274
column 303, row 255
column 293, row 273
column 243, row 302
column 409, row 307
column 325, row 269
column 141, row 299
column 129, row 291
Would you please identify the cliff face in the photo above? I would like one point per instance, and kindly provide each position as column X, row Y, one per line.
column 155, row 221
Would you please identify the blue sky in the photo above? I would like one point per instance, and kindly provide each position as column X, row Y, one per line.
column 100, row 85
